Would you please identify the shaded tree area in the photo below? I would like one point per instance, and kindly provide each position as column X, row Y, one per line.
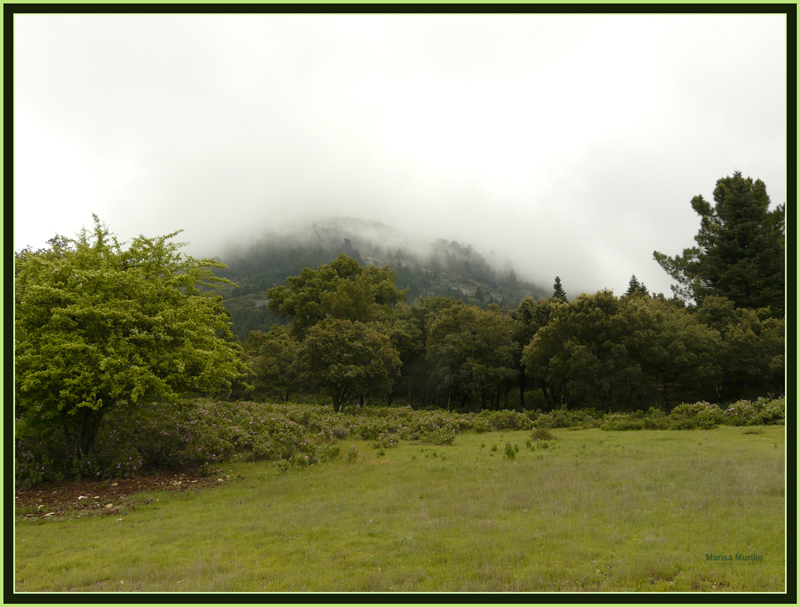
column 274, row 357
column 614, row 353
column 470, row 353
column 338, row 338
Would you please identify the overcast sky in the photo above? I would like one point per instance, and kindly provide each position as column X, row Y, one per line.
column 570, row 144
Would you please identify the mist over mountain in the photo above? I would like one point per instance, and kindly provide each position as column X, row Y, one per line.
column 441, row 267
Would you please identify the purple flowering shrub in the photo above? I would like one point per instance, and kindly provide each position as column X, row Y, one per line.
column 755, row 413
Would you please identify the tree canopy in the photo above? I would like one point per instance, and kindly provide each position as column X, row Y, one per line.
column 616, row 353
column 275, row 361
column 340, row 290
column 97, row 325
column 740, row 248
column 349, row 359
column 471, row 352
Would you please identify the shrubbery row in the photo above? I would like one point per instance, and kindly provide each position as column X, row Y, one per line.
column 205, row 433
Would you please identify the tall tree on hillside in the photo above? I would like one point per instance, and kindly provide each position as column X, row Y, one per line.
column 740, row 248
column 558, row 290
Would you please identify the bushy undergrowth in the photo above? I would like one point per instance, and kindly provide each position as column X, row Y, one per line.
column 702, row 415
column 204, row 433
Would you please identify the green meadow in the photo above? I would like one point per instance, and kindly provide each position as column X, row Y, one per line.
column 590, row 510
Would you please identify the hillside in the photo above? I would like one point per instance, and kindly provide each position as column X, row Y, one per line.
column 443, row 267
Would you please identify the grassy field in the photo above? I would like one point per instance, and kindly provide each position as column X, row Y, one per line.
column 595, row 511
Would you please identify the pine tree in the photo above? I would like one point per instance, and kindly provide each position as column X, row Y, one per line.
column 558, row 290
column 634, row 286
column 740, row 252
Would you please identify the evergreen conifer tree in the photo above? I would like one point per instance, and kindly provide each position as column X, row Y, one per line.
column 558, row 290
column 740, row 248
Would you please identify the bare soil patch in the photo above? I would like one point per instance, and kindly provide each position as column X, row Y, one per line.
column 87, row 497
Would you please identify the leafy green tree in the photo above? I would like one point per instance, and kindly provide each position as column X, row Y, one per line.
column 97, row 325
column 740, row 248
column 574, row 355
column 558, row 290
column 752, row 349
column 677, row 354
column 530, row 316
column 349, row 360
column 619, row 353
column 340, row 290
column 471, row 353
column 409, row 335
column 276, row 362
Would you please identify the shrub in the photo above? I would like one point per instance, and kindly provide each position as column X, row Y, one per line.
column 386, row 441
column 511, row 450
column 560, row 419
column 352, row 454
column 207, row 469
column 759, row 412
column 506, row 420
column 340, row 432
column 329, row 453
column 481, row 425
column 622, row 421
column 542, row 434
column 705, row 415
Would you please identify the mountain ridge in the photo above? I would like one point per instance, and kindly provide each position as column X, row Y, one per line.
column 446, row 268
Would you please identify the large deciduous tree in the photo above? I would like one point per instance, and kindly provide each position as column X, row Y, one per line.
column 740, row 248
column 752, row 350
column 409, row 335
column 471, row 353
column 350, row 360
column 619, row 353
column 276, row 361
column 530, row 316
column 97, row 325
column 340, row 290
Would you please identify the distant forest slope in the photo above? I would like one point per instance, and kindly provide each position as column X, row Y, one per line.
column 446, row 268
